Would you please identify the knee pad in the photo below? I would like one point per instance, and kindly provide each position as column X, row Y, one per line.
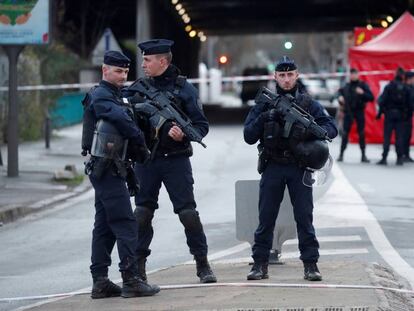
column 190, row 219
column 144, row 217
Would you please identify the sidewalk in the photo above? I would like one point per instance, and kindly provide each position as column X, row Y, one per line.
column 35, row 188
column 284, row 290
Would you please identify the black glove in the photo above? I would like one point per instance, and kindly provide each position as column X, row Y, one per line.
column 269, row 115
column 132, row 182
column 138, row 153
column 299, row 132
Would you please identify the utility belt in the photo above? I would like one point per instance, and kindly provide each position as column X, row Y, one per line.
column 97, row 167
column 187, row 152
column 281, row 156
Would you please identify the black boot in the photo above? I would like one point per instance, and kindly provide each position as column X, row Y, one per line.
column 141, row 269
column 341, row 157
column 204, row 271
column 400, row 161
column 364, row 158
column 312, row 272
column 274, row 257
column 258, row 272
column 103, row 288
column 134, row 286
column 383, row 161
column 408, row 159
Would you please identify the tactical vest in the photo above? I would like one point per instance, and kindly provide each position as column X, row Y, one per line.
column 397, row 96
column 89, row 120
column 165, row 145
column 273, row 143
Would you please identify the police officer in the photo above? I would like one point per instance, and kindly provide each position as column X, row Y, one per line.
column 394, row 104
column 282, row 169
column 170, row 162
column 114, row 219
column 408, row 123
column 353, row 98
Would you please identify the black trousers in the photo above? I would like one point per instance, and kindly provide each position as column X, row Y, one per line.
column 272, row 187
column 359, row 117
column 176, row 175
column 407, row 129
column 114, row 222
column 393, row 122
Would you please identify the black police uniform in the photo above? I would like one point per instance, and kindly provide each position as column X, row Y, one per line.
column 354, row 109
column 282, row 170
column 171, row 166
column 114, row 218
column 408, row 123
column 394, row 103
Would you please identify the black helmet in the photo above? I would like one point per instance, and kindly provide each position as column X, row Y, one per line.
column 311, row 154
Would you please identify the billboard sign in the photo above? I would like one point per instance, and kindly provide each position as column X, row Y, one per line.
column 24, row 22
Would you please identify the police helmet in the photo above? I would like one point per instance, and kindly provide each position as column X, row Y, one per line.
column 311, row 154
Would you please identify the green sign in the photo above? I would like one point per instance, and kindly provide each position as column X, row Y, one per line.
column 24, row 21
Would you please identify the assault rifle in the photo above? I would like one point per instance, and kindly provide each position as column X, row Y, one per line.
column 291, row 113
column 165, row 109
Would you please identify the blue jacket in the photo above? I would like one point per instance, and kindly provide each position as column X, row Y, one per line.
column 106, row 104
column 187, row 96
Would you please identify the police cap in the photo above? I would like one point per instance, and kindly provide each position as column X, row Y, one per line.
column 115, row 58
column 155, row 46
column 285, row 64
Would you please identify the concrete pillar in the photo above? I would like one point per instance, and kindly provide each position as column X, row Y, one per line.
column 215, row 85
column 143, row 30
column 203, row 85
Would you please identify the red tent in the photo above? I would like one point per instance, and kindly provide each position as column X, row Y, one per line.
column 392, row 49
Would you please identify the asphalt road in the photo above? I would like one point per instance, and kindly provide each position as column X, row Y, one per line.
column 49, row 252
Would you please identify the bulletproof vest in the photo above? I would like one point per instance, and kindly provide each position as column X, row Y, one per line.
column 178, row 85
column 167, row 144
column 273, row 141
column 352, row 100
column 397, row 96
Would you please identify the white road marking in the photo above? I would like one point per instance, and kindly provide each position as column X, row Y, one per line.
column 289, row 255
column 343, row 206
column 333, row 238
column 366, row 188
column 243, row 246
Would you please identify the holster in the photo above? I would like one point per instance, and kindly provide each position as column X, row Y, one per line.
column 262, row 160
column 132, row 181
column 98, row 166
column 121, row 169
column 271, row 134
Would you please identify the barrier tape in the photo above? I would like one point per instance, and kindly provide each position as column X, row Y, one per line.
column 200, row 80
column 252, row 284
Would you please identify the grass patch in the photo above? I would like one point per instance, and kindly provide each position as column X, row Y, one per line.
column 72, row 182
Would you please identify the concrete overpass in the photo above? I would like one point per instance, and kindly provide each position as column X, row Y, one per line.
column 143, row 19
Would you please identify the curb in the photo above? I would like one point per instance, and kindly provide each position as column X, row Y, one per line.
column 12, row 213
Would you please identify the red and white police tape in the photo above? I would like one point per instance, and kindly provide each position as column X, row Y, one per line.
column 200, row 80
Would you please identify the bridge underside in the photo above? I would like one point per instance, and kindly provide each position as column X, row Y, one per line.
column 219, row 17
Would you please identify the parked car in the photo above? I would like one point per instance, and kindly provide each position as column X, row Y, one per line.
column 250, row 88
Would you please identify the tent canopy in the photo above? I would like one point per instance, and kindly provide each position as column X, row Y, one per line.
column 391, row 49
column 398, row 39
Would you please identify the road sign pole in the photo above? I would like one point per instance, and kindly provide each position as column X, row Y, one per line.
column 13, row 52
